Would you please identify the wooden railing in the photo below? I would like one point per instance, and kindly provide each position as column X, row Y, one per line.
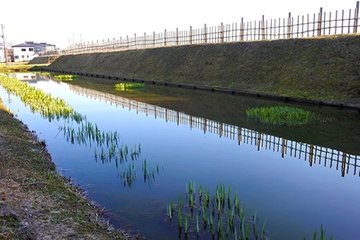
column 304, row 26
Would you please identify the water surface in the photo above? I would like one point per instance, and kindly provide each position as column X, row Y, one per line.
column 295, row 178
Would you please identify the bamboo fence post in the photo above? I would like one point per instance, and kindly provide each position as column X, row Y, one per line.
column 153, row 40
column 247, row 31
column 324, row 24
column 349, row 22
column 329, row 25
column 308, row 22
column 144, row 40
column 279, row 29
column 289, row 26
column 242, row 30
column 342, row 21
column 205, row 34
column 314, row 19
column 222, row 33
column 297, row 26
column 302, row 26
column 190, row 35
column 356, row 17
column 263, row 28
column 165, row 37
column 177, row 36
column 319, row 22
column 336, row 20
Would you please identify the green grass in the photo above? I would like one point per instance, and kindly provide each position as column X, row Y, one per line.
column 128, row 86
column 65, row 77
column 14, row 67
column 281, row 115
column 317, row 68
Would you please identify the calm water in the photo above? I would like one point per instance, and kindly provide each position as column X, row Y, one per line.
column 294, row 178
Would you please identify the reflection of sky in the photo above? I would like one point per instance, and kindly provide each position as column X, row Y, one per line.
column 294, row 198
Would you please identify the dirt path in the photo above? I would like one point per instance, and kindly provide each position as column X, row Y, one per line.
column 35, row 202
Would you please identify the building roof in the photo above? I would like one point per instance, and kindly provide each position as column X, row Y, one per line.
column 24, row 45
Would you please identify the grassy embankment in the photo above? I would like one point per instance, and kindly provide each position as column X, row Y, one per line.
column 35, row 201
column 316, row 68
column 18, row 67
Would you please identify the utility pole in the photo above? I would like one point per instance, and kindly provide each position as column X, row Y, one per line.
column 3, row 37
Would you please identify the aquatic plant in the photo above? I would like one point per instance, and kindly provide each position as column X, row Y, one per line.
column 218, row 215
column 322, row 235
column 64, row 77
column 128, row 86
column 45, row 104
column 281, row 115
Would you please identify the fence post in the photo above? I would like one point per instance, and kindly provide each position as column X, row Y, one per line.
column 263, row 28
column 222, row 33
column 177, row 36
column 320, row 22
column 144, row 39
column 289, row 26
column 356, row 17
column 205, row 33
column 242, row 29
column 165, row 37
column 190, row 35
column 127, row 41
column 154, row 39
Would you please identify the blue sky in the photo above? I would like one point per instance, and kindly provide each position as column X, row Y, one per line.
column 63, row 21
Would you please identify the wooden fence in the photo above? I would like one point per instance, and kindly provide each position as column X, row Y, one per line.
column 314, row 155
column 309, row 25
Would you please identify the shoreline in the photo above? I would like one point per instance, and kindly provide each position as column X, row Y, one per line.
column 36, row 202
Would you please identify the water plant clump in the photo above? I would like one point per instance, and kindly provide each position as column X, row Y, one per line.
column 281, row 115
column 47, row 105
column 128, row 86
column 218, row 216
column 64, row 77
column 321, row 236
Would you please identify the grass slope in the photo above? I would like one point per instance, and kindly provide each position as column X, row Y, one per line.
column 320, row 68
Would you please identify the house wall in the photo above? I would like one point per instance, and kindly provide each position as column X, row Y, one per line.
column 22, row 54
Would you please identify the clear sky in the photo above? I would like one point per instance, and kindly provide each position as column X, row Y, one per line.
column 61, row 22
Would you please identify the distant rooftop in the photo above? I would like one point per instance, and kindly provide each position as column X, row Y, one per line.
column 33, row 44
column 24, row 45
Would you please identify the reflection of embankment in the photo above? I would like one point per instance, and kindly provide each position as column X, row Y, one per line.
column 313, row 154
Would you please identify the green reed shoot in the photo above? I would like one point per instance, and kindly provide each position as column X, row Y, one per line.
column 64, row 77
column 281, row 115
column 128, row 86
column 45, row 104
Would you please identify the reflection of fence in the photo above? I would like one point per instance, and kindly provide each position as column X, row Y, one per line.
column 310, row 25
column 347, row 163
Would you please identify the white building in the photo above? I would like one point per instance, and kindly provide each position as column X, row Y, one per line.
column 28, row 50
column 23, row 52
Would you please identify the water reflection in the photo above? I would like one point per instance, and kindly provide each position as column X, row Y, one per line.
column 77, row 129
column 108, row 148
column 30, row 77
column 313, row 154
